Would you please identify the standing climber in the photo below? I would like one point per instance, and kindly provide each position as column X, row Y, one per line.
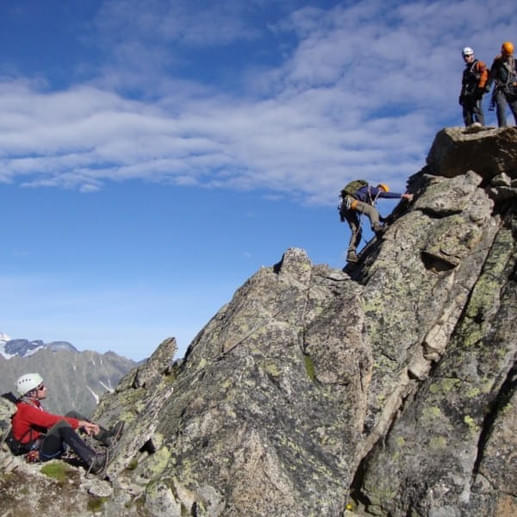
column 504, row 75
column 358, row 197
column 475, row 77
column 34, row 429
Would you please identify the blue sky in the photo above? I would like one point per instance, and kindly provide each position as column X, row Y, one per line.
column 155, row 153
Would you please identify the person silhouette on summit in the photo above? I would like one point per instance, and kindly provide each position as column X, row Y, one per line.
column 503, row 73
column 358, row 197
column 34, row 429
column 473, row 83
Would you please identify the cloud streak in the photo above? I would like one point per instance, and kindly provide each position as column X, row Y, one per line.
column 360, row 92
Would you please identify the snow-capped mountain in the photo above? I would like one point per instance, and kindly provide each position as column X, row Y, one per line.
column 4, row 338
column 24, row 348
column 75, row 379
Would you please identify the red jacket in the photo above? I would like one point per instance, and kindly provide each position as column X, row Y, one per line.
column 30, row 421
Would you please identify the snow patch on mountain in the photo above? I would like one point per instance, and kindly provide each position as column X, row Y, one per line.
column 4, row 338
column 24, row 348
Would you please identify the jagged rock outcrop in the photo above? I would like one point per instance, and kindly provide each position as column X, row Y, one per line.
column 387, row 389
column 489, row 153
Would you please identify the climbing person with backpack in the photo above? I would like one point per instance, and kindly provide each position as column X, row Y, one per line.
column 503, row 73
column 358, row 197
column 473, row 84
column 44, row 436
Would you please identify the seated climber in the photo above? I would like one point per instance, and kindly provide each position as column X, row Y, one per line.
column 34, row 429
column 360, row 197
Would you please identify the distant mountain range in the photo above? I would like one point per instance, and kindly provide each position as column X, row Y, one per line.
column 24, row 348
column 75, row 379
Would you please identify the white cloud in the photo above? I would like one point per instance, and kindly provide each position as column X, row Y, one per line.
column 361, row 95
column 190, row 22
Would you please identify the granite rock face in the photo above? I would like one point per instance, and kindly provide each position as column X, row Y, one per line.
column 490, row 152
column 387, row 389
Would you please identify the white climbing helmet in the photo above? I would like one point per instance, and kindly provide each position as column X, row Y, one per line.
column 27, row 382
column 467, row 51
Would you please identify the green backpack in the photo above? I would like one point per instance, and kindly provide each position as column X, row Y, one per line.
column 351, row 188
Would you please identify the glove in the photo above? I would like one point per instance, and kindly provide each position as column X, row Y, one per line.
column 460, row 100
column 479, row 93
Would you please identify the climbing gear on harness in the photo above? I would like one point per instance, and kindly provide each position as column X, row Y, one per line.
column 350, row 203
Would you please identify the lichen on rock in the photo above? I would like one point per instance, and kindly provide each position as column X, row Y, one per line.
column 389, row 390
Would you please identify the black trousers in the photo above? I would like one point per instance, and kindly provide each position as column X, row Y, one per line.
column 472, row 111
column 53, row 444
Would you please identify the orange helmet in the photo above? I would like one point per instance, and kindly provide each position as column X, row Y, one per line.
column 507, row 48
column 384, row 187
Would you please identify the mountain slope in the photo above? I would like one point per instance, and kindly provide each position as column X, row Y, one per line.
column 75, row 380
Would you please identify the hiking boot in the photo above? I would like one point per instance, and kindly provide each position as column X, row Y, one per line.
column 352, row 257
column 98, row 463
column 116, row 432
column 111, row 437
column 379, row 229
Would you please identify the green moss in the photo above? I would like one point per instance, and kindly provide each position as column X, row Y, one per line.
column 132, row 464
column 272, row 369
column 443, row 386
column 506, row 409
column 474, row 428
column 473, row 392
column 472, row 338
column 438, row 442
column 95, row 504
column 56, row 470
column 170, row 378
column 226, row 384
column 449, row 384
column 309, row 367
column 158, row 461
column 432, row 412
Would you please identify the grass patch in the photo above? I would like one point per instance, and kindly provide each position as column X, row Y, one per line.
column 55, row 470
column 309, row 367
column 95, row 504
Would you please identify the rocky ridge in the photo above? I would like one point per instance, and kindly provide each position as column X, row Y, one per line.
column 387, row 389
